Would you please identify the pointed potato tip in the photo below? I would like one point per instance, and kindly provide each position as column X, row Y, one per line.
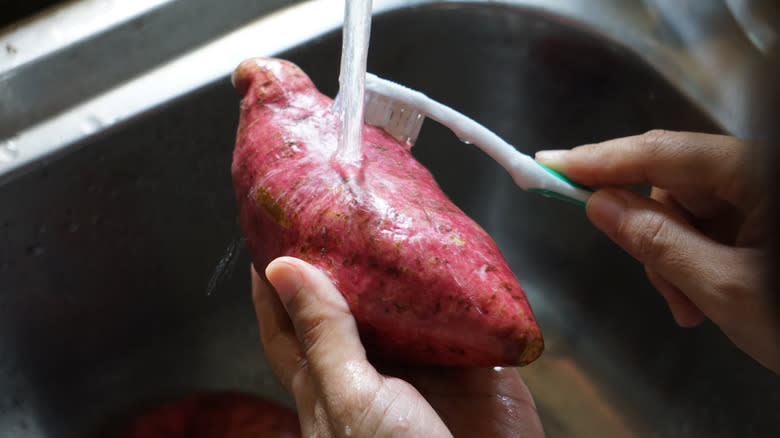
column 532, row 351
column 275, row 76
column 242, row 76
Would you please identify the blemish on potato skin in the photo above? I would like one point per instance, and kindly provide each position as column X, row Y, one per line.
column 444, row 228
column 269, row 205
column 393, row 271
column 454, row 238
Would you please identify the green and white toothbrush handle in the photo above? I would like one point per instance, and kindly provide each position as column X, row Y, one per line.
column 532, row 176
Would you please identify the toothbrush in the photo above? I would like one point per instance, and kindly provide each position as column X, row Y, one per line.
column 401, row 111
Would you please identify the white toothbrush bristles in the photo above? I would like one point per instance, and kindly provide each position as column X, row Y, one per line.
column 401, row 122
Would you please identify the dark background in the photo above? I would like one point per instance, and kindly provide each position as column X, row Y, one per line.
column 14, row 10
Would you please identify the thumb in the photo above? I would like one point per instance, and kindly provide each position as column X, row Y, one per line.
column 320, row 315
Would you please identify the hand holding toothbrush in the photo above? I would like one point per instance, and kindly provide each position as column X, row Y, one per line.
column 704, row 233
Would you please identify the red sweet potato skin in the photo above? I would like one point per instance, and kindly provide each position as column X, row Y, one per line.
column 424, row 282
column 220, row 415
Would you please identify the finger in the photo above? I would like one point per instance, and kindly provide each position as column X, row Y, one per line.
column 700, row 205
column 282, row 350
column 664, row 197
column 726, row 283
column 685, row 313
column 323, row 323
column 708, row 273
column 671, row 160
column 505, row 408
column 714, row 218
column 660, row 239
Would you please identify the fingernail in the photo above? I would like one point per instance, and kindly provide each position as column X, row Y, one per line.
column 605, row 209
column 551, row 158
column 285, row 278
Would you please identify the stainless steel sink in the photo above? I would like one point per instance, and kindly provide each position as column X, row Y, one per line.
column 109, row 239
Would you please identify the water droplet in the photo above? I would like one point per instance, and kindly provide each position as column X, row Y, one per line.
column 347, row 431
column 95, row 122
column 464, row 141
column 8, row 151
column 90, row 125
column 498, row 368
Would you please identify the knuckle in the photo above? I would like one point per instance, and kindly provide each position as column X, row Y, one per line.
column 650, row 235
column 313, row 330
column 655, row 138
column 298, row 382
column 365, row 416
column 737, row 283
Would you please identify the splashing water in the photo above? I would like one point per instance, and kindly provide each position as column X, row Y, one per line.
column 226, row 265
column 354, row 53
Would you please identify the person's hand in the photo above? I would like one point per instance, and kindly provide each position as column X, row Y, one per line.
column 704, row 232
column 311, row 341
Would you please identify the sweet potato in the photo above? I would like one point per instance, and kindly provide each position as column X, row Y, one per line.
column 220, row 415
column 424, row 282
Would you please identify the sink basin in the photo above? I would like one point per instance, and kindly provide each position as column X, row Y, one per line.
column 108, row 248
